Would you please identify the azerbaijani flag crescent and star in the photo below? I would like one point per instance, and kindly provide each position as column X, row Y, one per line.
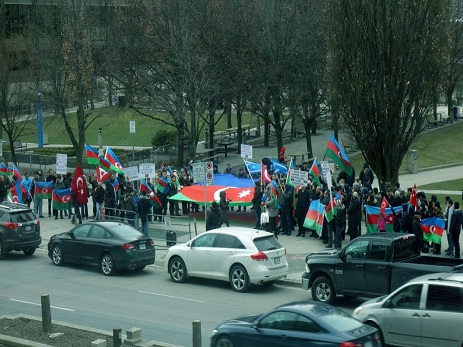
column 144, row 187
column 62, row 199
column 373, row 214
column 238, row 196
column 43, row 190
column 335, row 152
column 114, row 160
column 433, row 229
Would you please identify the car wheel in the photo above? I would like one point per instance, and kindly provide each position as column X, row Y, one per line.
column 57, row 255
column 177, row 270
column 139, row 268
column 323, row 290
column 380, row 333
column 224, row 341
column 107, row 265
column 29, row 251
column 239, row 279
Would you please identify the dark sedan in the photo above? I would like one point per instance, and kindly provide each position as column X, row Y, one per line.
column 306, row 323
column 111, row 245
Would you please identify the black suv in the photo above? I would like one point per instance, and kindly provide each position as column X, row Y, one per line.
column 19, row 229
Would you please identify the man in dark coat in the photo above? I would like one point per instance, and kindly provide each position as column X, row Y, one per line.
column 455, row 227
column 213, row 217
column 354, row 216
column 416, row 229
column 144, row 207
column 302, row 206
column 256, row 203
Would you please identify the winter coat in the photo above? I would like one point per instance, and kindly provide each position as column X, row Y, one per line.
column 457, row 220
column 213, row 219
column 270, row 203
column 354, row 210
column 99, row 194
column 144, row 206
column 303, row 203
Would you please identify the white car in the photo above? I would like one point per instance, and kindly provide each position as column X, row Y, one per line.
column 242, row 256
column 427, row 311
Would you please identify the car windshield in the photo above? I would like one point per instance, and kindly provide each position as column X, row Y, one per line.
column 22, row 217
column 336, row 319
column 124, row 230
column 267, row 243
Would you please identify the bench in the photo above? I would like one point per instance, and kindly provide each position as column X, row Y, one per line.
column 348, row 144
column 298, row 129
column 212, row 158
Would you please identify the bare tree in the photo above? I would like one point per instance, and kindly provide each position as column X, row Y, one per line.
column 387, row 61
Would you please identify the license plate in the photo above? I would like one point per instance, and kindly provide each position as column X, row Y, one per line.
column 142, row 246
column 277, row 260
column 28, row 228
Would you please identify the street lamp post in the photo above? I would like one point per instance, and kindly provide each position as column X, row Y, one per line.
column 39, row 120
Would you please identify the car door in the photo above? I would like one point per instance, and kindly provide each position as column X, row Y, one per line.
column 199, row 260
column 223, row 255
column 401, row 319
column 75, row 247
column 96, row 243
column 274, row 329
column 350, row 274
column 442, row 317
column 377, row 269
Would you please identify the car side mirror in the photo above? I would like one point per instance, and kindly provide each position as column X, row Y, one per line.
column 72, row 235
column 343, row 257
column 388, row 304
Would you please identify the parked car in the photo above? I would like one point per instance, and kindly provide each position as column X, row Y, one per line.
column 371, row 265
column 306, row 323
column 111, row 245
column 242, row 256
column 427, row 311
column 19, row 229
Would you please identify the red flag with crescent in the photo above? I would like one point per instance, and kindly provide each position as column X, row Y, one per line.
column 264, row 176
column 383, row 206
column 413, row 200
column 78, row 185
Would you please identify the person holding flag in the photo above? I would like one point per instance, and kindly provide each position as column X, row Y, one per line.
column 271, row 204
column 354, row 213
column 27, row 185
column 38, row 201
column 59, row 184
column 99, row 198
column 302, row 206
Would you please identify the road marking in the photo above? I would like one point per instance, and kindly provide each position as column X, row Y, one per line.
column 36, row 304
column 170, row 296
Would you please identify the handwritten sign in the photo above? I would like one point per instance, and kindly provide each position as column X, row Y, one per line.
column 246, row 151
column 298, row 177
column 131, row 173
column 147, row 170
column 61, row 163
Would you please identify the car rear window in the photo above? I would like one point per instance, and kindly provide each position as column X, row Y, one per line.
column 267, row 243
column 22, row 217
column 124, row 230
column 405, row 248
column 338, row 320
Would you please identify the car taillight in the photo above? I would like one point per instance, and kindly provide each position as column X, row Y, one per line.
column 350, row 344
column 37, row 222
column 127, row 246
column 152, row 243
column 11, row 226
column 259, row 256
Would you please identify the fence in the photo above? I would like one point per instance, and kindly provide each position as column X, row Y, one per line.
column 160, row 227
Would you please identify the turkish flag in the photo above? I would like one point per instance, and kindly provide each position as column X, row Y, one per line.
column 383, row 207
column 78, row 186
column 101, row 175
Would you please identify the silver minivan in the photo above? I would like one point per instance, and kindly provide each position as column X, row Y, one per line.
column 427, row 311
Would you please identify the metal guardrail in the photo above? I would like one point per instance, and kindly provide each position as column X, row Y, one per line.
column 160, row 227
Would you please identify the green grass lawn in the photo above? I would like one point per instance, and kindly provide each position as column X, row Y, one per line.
column 114, row 122
column 438, row 147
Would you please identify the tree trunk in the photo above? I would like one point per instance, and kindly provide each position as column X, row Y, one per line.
column 450, row 105
column 228, row 111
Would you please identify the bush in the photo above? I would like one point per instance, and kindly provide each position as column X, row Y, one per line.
column 164, row 139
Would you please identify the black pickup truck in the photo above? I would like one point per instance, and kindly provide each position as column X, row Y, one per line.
column 373, row 264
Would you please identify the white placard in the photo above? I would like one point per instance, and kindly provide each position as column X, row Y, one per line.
column 132, row 126
column 131, row 173
column 246, row 151
column 61, row 164
column 299, row 177
column 198, row 172
column 147, row 170
column 209, row 178
column 325, row 166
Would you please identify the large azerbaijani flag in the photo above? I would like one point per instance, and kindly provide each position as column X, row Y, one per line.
column 238, row 196
column 5, row 170
column 373, row 214
column 92, row 155
column 433, row 229
column 43, row 190
column 144, row 187
column 62, row 199
column 335, row 152
column 314, row 217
